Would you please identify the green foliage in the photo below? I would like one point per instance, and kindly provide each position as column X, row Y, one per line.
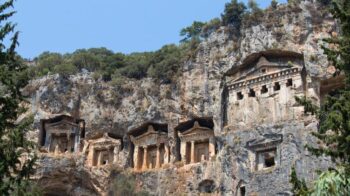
column 334, row 113
column 166, row 63
column 325, row 2
column 333, row 182
column 15, row 168
column 274, row 4
column 211, row 27
column 299, row 186
column 162, row 64
column 125, row 185
column 65, row 69
column 254, row 14
column 192, row 32
column 27, row 188
column 233, row 14
column 253, row 6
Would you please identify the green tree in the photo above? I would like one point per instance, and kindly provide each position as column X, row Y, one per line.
column 16, row 155
column 253, row 6
column 166, row 63
column 192, row 32
column 274, row 4
column 233, row 14
column 211, row 27
column 65, row 69
column 334, row 113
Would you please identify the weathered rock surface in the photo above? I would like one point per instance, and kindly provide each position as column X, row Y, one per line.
column 198, row 92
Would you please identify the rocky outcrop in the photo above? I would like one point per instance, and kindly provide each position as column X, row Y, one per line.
column 199, row 91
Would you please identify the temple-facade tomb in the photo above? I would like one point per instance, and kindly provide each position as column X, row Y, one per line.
column 263, row 88
column 61, row 134
column 150, row 146
column 264, row 152
column 197, row 141
column 103, row 150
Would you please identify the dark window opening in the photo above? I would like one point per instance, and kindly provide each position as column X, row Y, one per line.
column 251, row 93
column 242, row 191
column 289, row 82
column 65, row 150
column 239, row 96
column 263, row 70
column 72, row 149
column 264, row 89
column 269, row 159
column 206, row 186
column 277, row 86
column 104, row 162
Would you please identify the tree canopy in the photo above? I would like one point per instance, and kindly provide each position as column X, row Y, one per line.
column 16, row 156
column 333, row 115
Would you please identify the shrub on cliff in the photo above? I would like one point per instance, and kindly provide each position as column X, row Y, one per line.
column 192, row 32
column 233, row 14
column 65, row 69
column 125, row 185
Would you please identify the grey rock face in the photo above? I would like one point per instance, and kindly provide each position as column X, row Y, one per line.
column 199, row 91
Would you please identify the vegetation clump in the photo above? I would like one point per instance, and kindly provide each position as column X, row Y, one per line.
column 17, row 157
column 333, row 115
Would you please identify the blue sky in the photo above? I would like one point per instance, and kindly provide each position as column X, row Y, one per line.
column 120, row 25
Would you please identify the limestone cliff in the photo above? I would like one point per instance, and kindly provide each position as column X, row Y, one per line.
column 198, row 92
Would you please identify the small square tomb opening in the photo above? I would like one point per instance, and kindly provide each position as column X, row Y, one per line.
column 264, row 89
column 277, row 86
column 266, row 159
column 239, row 96
column 251, row 93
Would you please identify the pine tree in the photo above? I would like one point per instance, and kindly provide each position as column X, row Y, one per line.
column 16, row 157
column 334, row 114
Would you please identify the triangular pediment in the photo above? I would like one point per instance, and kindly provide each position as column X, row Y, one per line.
column 196, row 129
column 106, row 139
column 149, row 133
column 62, row 125
column 267, row 140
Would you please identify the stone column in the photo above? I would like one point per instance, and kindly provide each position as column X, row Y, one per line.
column 183, row 152
column 76, row 140
column 57, row 150
column 211, row 147
column 192, row 152
column 115, row 154
column 91, row 156
column 144, row 163
column 158, row 157
column 48, row 141
column 136, row 157
column 166, row 154
column 99, row 159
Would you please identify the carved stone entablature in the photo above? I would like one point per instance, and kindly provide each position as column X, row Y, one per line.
column 196, row 133
column 151, row 137
column 265, row 142
column 105, row 142
column 268, row 78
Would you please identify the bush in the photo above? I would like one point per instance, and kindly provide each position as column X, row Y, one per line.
column 65, row 69
column 274, row 4
column 210, row 27
column 124, row 185
column 166, row 63
column 233, row 14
